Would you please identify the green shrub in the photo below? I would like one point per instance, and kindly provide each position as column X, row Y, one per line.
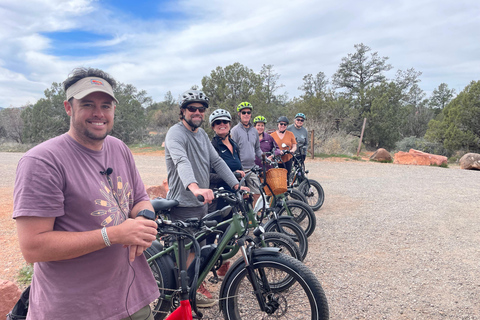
column 25, row 274
column 422, row 145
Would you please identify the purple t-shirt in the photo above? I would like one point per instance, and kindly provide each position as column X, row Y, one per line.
column 60, row 178
column 267, row 144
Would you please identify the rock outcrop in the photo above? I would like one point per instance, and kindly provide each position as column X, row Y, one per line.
column 470, row 161
column 419, row 158
column 157, row 191
column 9, row 295
column 381, row 155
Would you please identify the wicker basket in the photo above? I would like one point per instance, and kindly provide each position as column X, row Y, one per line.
column 277, row 180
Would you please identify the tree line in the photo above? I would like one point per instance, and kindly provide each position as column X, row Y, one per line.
column 397, row 110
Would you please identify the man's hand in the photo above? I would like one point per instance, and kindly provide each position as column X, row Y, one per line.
column 138, row 234
column 206, row 193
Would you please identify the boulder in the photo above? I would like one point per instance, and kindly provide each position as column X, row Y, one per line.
column 381, row 155
column 9, row 295
column 157, row 191
column 470, row 161
column 419, row 158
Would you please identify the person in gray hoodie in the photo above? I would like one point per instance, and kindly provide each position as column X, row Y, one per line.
column 246, row 137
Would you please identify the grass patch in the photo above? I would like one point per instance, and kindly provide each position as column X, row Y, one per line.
column 136, row 148
column 344, row 156
column 382, row 161
column 25, row 274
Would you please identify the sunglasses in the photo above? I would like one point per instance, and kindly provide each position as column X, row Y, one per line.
column 217, row 122
column 282, row 124
column 194, row 109
column 300, row 120
column 246, row 112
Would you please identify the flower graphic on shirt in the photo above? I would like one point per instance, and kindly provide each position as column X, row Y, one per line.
column 116, row 203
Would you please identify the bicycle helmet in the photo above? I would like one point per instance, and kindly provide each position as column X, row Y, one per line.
column 191, row 96
column 259, row 119
column 283, row 119
column 219, row 114
column 300, row 115
column 244, row 105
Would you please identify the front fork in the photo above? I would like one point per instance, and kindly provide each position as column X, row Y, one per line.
column 259, row 283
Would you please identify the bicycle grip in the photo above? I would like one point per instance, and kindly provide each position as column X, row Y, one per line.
column 200, row 198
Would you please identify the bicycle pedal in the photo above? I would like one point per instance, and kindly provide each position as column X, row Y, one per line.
column 213, row 279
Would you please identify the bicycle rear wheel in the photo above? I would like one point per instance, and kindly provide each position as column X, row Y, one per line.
column 163, row 272
column 302, row 298
column 315, row 194
column 289, row 227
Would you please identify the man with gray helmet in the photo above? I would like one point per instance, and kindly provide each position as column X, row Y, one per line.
column 190, row 156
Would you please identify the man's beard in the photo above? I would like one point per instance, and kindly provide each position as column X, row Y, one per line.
column 193, row 125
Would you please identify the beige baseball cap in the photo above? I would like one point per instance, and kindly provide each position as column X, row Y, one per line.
column 85, row 86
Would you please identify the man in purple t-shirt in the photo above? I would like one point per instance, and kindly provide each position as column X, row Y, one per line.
column 83, row 216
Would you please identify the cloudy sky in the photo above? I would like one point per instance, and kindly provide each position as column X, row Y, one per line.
column 161, row 45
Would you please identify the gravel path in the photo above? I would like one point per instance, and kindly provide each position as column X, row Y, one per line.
column 392, row 241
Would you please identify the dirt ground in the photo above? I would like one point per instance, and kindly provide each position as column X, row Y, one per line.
column 392, row 241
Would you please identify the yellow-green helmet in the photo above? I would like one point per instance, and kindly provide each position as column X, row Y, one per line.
column 244, row 105
column 259, row 119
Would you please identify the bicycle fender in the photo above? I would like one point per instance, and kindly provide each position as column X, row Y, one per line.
column 265, row 251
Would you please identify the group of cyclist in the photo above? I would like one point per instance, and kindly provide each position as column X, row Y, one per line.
column 83, row 216
column 190, row 161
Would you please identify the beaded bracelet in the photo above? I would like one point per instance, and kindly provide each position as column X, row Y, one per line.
column 105, row 237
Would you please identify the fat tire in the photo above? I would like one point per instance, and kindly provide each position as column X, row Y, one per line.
column 316, row 199
column 302, row 214
column 282, row 241
column 303, row 299
column 291, row 229
column 294, row 194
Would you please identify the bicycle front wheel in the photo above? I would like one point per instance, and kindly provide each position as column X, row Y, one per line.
column 303, row 298
column 315, row 194
column 302, row 214
column 281, row 241
column 292, row 229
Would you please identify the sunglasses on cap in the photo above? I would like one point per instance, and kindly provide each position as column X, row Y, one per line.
column 282, row 124
column 246, row 112
column 194, row 109
column 300, row 119
column 217, row 122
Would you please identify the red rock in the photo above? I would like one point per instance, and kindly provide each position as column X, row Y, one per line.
column 157, row 191
column 419, row 158
column 381, row 155
column 470, row 161
column 9, row 295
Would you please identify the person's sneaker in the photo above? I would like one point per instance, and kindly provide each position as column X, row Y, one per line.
column 203, row 290
column 222, row 271
column 203, row 301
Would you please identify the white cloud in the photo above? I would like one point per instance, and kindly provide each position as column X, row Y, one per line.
column 297, row 37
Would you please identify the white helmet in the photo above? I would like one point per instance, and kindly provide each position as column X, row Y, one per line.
column 220, row 114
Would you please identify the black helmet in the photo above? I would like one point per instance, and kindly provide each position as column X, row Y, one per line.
column 282, row 119
column 191, row 96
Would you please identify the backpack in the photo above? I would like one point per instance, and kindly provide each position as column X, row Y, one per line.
column 20, row 309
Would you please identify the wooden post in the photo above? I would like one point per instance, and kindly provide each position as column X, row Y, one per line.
column 361, row 136
column 312, row 144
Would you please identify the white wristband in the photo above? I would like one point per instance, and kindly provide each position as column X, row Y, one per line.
column 105, row 237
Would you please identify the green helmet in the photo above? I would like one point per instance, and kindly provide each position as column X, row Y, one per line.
column 244, row 105
column 259, row 119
